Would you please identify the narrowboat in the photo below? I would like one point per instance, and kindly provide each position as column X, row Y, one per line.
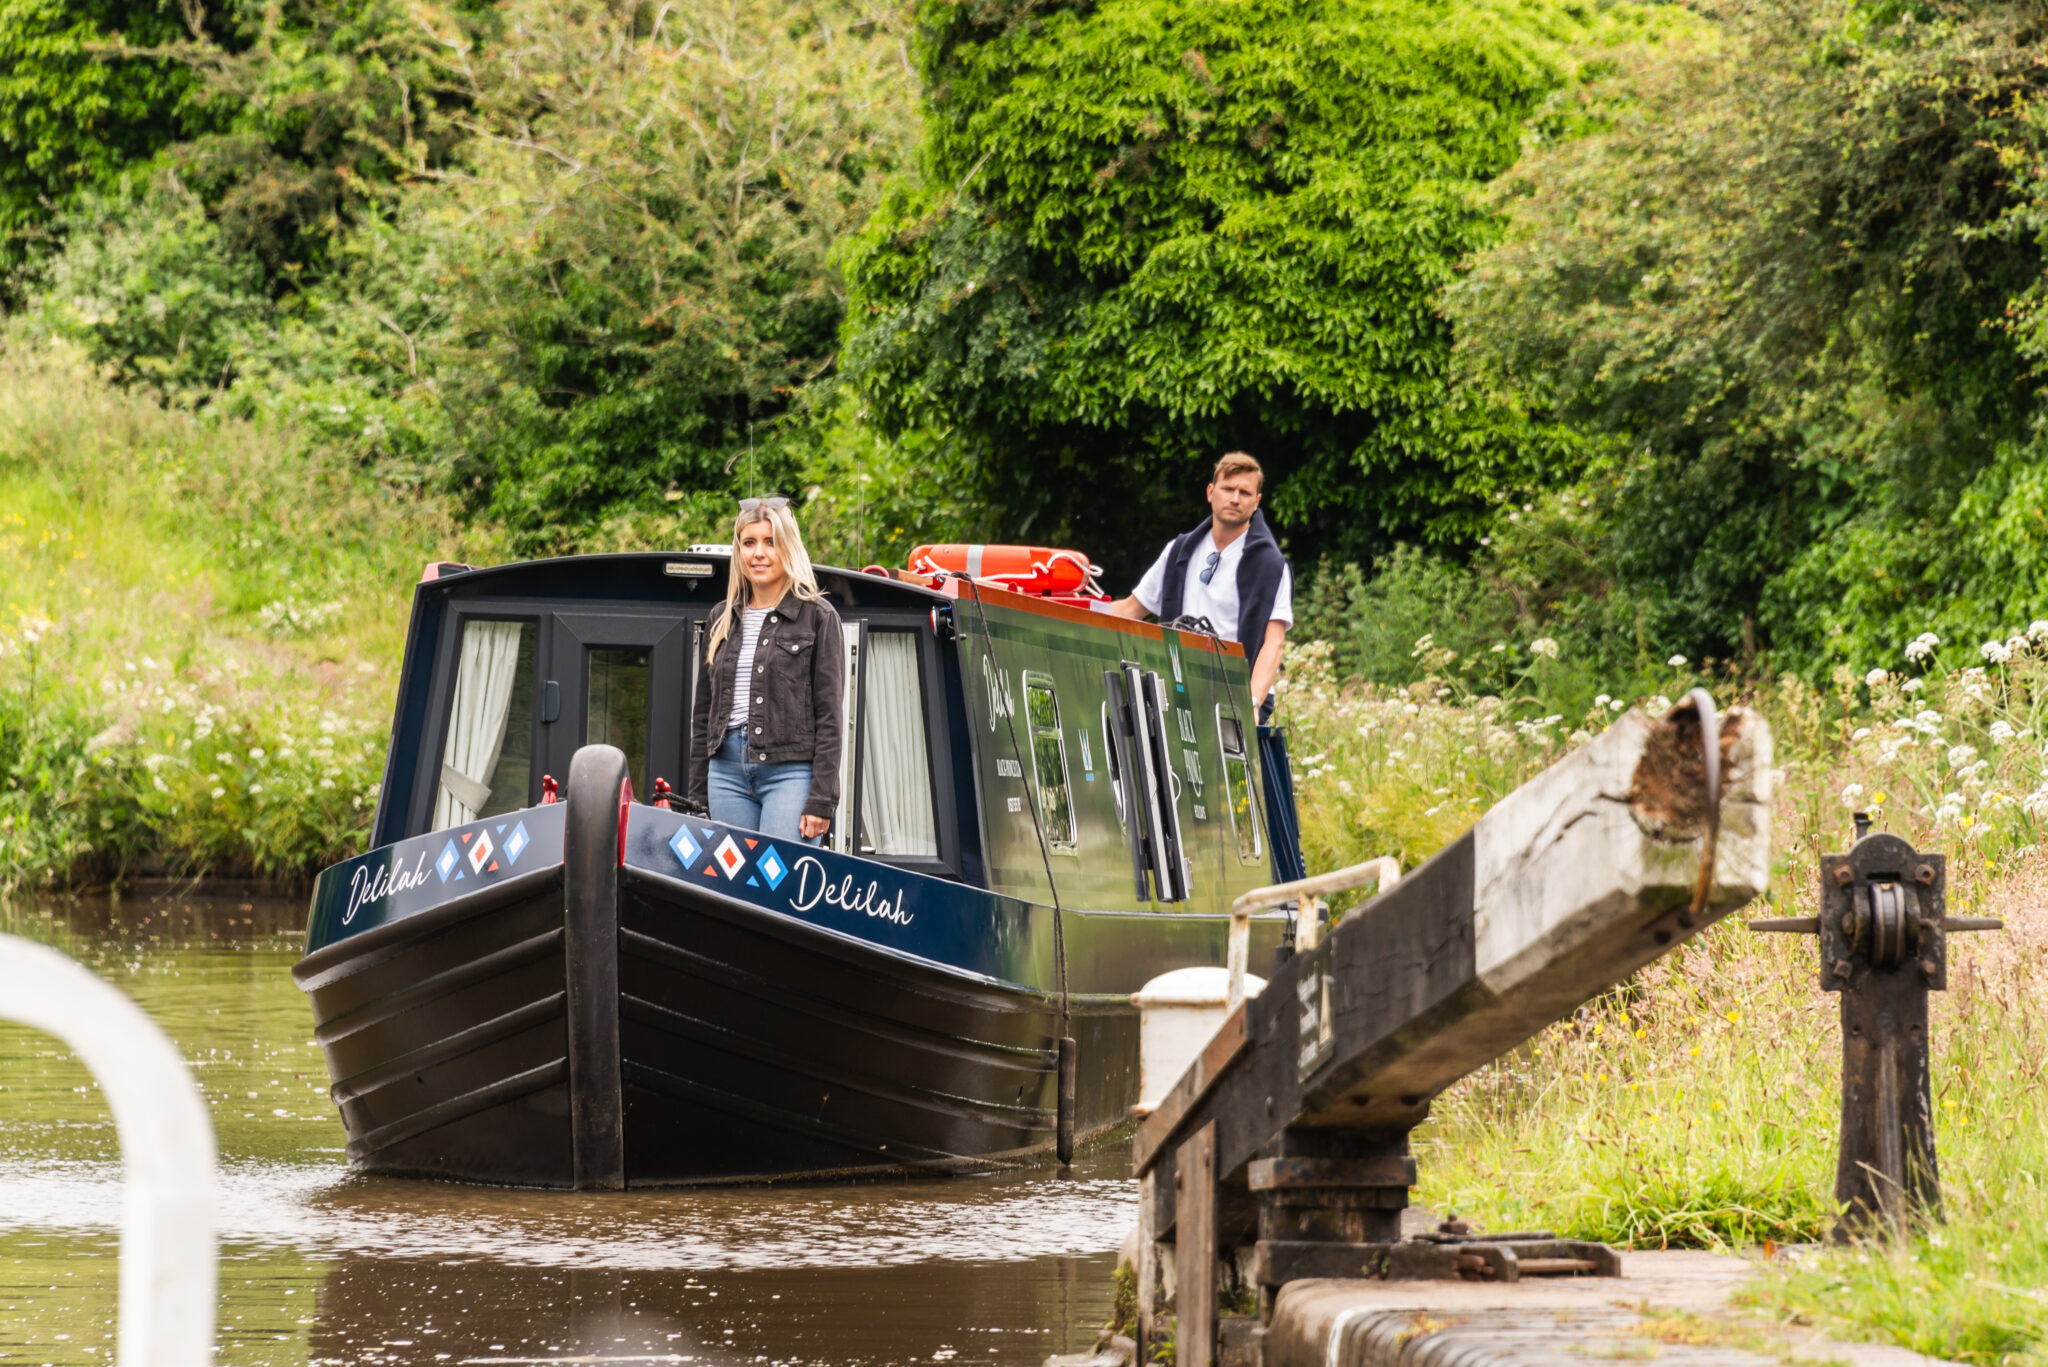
column 544, row 974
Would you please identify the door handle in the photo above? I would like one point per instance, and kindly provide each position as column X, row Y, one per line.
column 550, row 700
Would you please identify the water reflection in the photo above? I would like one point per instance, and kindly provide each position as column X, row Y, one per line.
column 322, row 1266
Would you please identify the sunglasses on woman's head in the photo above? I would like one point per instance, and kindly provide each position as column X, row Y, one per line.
column 749, row 505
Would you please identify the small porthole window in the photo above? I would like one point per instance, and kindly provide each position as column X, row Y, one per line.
column 1237, row 786
column 1049, row 762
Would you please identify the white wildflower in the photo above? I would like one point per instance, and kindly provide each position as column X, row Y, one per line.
column 1995, row 652
column 1581, row 736
column 1618, row 705
column 1676, row 662
column 1544, row 646
column 2037, row 628
column 1859, row 733
column 1959, row 755
column 1875, row 677
column 1922, row 646
column 1912, row 685
column 1602, row 700
column 219, row 793
column 1852, row 794
column 2001, row 731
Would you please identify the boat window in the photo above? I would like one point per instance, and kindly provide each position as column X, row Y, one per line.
column 1237, row 785
column 615, row 711
column 1049, row 761
column 487, row 764
column 1116, row 774
column 896, row 811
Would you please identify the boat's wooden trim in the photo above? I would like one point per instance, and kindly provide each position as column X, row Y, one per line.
column 826, row 1014
column 681, row 1026
column 527, row 951
column 935, row 978
column 658, row 1080
column 450, row 1047
column 458, row 1107
column 331, row 963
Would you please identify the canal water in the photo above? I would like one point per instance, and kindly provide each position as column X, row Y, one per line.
column 322, row 1266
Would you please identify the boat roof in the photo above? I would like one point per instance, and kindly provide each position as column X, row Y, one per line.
column 625, row 575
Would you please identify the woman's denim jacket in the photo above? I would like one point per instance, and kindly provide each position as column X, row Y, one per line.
column 796, row 700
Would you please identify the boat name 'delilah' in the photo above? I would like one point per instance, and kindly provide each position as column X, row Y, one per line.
column 363, row 889
column 814, row 885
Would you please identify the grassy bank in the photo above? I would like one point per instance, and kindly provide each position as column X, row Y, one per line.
column 199, row 624
column 1699, row 1106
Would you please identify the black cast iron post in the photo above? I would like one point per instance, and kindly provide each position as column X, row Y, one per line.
column 1883, row 928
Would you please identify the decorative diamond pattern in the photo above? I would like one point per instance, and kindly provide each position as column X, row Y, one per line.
column 728, row 858
column 480, row 851
column 516, row 843
column 772, row 868
column 686, row 849
column 450, row 860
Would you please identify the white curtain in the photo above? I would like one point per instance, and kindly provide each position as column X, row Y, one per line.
column 896, row 785
column 476, row 724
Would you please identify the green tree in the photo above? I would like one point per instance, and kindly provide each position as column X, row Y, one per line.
column 1785, row 281
column 1149, row 231
column 640, row 245
column 87, row 87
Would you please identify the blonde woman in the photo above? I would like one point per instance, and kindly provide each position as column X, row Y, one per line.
column 765, row 727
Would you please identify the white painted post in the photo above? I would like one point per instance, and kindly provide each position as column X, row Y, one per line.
column 167, row 1249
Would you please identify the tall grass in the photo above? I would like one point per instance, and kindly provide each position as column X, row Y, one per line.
column 200, row 619
column 1698, row 1105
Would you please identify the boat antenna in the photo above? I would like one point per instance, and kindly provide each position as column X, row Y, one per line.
column 1063, row 1142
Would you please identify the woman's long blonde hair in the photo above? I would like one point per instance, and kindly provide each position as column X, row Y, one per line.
column 796, row 563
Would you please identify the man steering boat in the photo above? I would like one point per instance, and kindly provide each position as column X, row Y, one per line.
column 1230, row 570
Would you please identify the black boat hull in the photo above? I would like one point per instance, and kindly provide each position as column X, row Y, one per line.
column 739, row 1019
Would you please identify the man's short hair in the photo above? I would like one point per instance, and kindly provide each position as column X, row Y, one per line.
column 1238, row 463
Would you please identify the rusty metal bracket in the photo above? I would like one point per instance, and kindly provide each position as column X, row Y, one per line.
column 1883, row 929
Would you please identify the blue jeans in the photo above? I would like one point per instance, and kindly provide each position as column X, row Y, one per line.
column 757, row 797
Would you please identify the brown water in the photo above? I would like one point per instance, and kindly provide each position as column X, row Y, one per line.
column 319, row 1265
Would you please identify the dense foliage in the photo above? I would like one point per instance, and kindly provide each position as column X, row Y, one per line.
column 1794, row 282
column 1710, row 334
column 1148, row 231
column 568, row 260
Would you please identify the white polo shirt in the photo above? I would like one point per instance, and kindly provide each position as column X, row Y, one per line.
column 1217, row 599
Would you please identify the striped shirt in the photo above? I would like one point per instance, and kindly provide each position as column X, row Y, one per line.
column 750, row 637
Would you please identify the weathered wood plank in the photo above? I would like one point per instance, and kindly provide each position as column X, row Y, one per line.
column 1194, row 1255
column 1560, row 891
column 1217, row 1055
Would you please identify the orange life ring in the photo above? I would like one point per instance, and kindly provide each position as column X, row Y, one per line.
column 1024, row 569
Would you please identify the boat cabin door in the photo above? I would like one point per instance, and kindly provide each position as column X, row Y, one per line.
column 1150, row 789
column 617, row 680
